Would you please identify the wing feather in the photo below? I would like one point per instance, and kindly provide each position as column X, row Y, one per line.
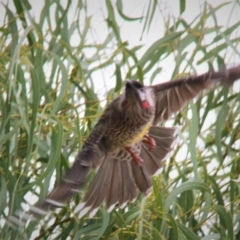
column 171, row 96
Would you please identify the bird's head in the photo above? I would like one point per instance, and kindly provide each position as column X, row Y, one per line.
column 137, row 95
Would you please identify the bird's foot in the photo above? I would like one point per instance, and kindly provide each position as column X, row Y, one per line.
column 150, row 141
column 134, row 156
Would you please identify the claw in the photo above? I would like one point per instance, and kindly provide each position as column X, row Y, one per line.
column 150, row 141
column 135, row 157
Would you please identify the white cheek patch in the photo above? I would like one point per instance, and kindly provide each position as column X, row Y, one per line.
column 142, row 95
column 150, row 98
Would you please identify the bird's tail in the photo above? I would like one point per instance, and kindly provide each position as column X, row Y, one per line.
column 165, row 139
column 117, row 180
column 113, row 183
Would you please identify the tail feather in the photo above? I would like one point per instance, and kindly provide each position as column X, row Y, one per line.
column 97, row 191
column 112, row 196
column 129, row 191
column 163, row 131
column 142, row 178
column 113, row 183
column 161, row 153
column 151, row 163
column 164, row 138
column 122, row 188
column 164, row 142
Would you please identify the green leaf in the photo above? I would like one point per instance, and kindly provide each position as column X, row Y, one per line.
column 157, row 45
column 193, row 133
column 118, row 79
column 120, row 11
column 227, row 220
column 219, row 125
column 184, row 187
column 182, row 6
column 187, row 232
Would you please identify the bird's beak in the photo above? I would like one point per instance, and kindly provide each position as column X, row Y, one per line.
column 128, row 84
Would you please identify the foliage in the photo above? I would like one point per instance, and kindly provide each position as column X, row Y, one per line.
column 49, row 103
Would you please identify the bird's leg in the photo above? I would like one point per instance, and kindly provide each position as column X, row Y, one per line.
column 134, row 156
column 150, row 141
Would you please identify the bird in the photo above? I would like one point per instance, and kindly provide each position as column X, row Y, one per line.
column 127, row 145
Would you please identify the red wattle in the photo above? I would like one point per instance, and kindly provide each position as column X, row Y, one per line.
column 145, row 104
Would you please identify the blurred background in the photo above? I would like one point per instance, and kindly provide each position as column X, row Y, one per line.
column 61, row 62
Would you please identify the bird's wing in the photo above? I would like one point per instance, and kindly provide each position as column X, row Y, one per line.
column 171, row 96
column 89, row 157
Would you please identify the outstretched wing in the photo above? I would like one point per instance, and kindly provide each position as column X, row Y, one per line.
column 171, row 96
column 89, row 157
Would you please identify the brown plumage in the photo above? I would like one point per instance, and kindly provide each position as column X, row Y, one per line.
column 127, row 145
